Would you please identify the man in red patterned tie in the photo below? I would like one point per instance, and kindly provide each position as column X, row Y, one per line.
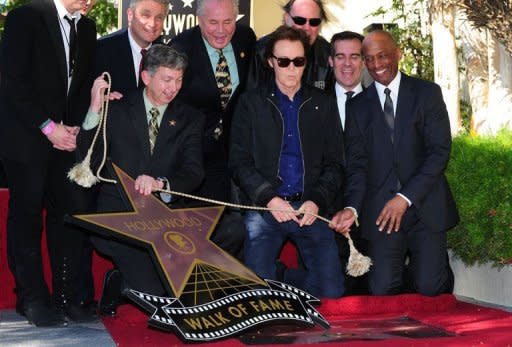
column 121, row 52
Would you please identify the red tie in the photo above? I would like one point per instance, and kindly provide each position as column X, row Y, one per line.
column 143, row 52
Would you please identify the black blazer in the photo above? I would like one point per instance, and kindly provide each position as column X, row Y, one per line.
column 416, row 158
column 34, row 79
column 199, row 85
column 114, row 54
column 256, row 145
column 177, row 154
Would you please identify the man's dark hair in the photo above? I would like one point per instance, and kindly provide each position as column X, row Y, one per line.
column 323, row 14
column 285, row 32
column 162, row 55
column 345, row 36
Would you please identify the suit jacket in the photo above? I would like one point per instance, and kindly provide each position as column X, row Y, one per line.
column 177, row 154
column 114, row 55
column 34, row 79
column 200, row 88
column 413, row 164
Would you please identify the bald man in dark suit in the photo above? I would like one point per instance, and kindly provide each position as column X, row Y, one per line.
column 398, row 145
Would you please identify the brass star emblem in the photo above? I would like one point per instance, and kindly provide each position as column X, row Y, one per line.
column 178, row 239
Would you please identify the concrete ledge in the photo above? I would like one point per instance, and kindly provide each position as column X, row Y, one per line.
column 483, row 282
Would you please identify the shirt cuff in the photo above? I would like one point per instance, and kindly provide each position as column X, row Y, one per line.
column 356, row 216
column 405, row 198
column 354, row 211
column 165, row 197
column 91, row 120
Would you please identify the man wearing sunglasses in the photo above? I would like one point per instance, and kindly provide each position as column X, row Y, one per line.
column 305, row 15
column 286, row 145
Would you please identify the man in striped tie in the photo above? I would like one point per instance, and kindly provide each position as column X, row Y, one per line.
column 157, row 139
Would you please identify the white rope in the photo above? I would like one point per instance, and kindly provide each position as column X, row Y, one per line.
column 81, row 173
column 357, row 265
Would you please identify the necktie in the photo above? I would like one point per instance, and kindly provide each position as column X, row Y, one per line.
column 72, row 43
column 223, row 79
column 389, row 113
column 349, row 95
column 143, row 53
column 153, row 127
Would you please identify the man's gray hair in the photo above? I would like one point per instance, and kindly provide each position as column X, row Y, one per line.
column 201, row 3
column 134, row 3
column 162, row 55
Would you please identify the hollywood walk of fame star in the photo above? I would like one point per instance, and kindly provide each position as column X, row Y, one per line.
column 178, row 239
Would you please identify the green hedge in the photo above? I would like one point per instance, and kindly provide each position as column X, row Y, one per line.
column 480, row 176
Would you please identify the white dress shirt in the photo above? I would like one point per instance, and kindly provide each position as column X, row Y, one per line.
column 341, row 98
column 394, row 86
column 137, row 56
column 65, row 30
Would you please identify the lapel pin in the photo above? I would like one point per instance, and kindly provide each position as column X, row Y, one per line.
column 242, row 55
column 172, row 123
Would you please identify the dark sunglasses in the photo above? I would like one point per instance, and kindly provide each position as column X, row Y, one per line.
column 284, row 62
column 314, row 22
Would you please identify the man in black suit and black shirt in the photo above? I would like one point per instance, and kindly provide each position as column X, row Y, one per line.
column 47, row 65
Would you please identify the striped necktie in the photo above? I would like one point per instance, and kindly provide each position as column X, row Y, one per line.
column 389, row 113
column 153, row 127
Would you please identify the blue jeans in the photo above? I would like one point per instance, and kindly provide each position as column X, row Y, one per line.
column 322, row 277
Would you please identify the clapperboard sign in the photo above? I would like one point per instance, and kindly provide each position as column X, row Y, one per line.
column 182, row 16
column 213, row 295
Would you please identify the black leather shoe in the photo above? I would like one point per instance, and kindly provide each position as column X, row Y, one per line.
column 111, row 296
column 19, row 307
column 90, row 305
column 78, row 314
column 43, row 315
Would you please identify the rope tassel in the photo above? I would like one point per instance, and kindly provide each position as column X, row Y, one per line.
column 81, row 173
column 358, row 264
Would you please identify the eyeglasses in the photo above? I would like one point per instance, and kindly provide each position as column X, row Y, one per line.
column 284, row 62
column 314, row 22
